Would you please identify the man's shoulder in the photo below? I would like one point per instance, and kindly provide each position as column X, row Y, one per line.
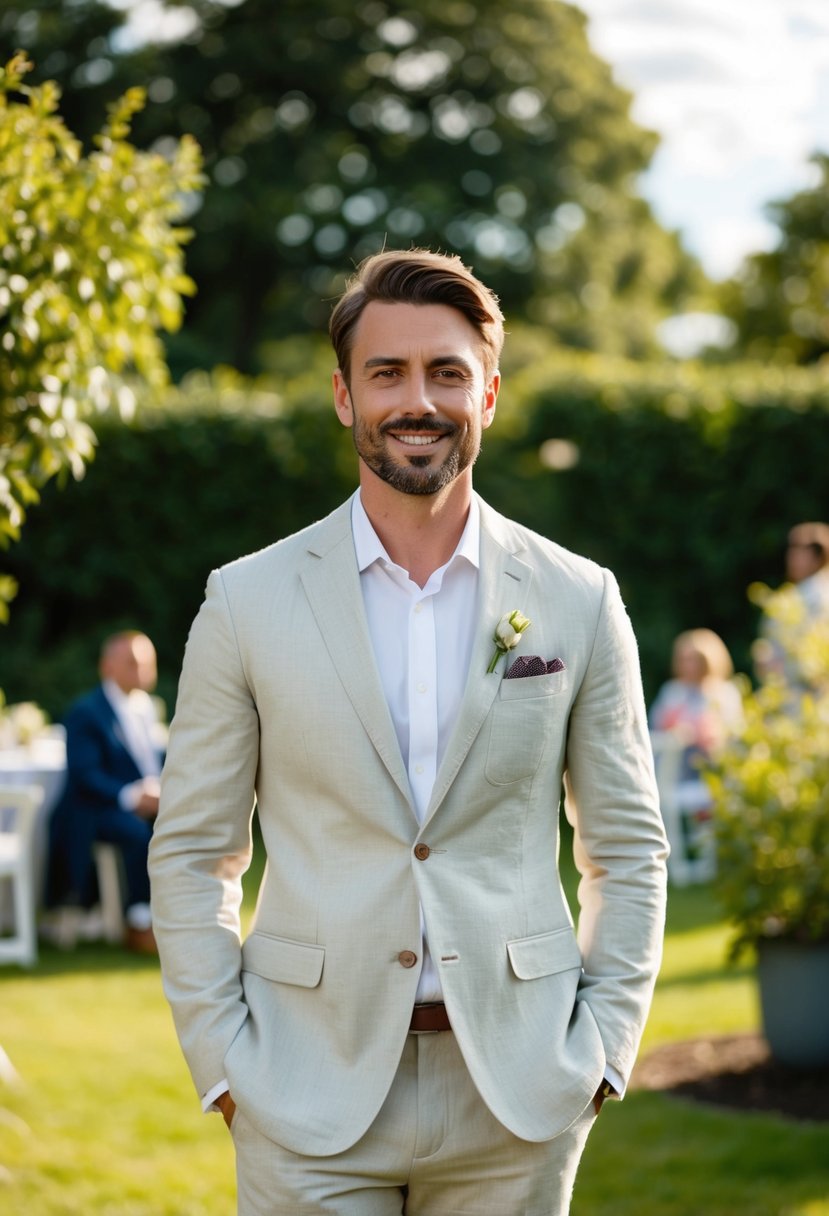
column 89, row 706
column 543, row 553
column 291, row 550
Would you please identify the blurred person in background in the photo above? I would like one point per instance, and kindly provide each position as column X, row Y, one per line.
column 795, row 607
column 113, row 758
column 700, row 702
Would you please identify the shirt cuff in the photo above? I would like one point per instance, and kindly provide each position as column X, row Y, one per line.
column 208, row 1102
column 611, row 1075
column 129, row 795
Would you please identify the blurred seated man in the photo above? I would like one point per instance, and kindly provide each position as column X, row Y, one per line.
column 112, row 784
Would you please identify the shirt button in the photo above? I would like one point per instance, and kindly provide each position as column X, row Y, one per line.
column 421, row 687
column 418, row 607
column 407, row 958
column 421, row 851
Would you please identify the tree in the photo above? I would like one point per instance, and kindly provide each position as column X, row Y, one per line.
column 779, row 300
column 92, row 270
column 331, row 129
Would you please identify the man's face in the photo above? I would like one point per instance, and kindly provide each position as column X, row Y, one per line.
column 419, row 398
column 131, row 663
column 801, row 561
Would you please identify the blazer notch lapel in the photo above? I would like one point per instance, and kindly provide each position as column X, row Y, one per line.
column 504, row 584
column 332, row 585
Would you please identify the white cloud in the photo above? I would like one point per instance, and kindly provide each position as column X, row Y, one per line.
column 739, row 92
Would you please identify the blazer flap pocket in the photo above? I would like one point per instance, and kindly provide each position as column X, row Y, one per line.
column 544, row 954
column 287, row 962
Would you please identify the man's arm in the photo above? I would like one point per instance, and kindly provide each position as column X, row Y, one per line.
column 202, row 841
column 619, row 838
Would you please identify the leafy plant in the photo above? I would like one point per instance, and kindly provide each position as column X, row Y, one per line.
column 92, row 269
column 771, row 789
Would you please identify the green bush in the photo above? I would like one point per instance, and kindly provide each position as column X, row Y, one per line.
column 685, row 484
column 92, row 270
column 770, row 788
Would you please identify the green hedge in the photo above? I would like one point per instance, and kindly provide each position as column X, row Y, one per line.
column 686, row 482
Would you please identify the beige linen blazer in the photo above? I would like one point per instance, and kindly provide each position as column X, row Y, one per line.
column 280, row 700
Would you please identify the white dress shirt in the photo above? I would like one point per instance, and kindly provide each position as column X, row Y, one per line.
column 422, row 642
column 137, row 719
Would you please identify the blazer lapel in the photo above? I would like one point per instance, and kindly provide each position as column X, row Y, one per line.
column 503, row 584
column 332, row 584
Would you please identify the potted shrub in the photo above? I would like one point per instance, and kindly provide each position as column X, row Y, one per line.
column 770, row 789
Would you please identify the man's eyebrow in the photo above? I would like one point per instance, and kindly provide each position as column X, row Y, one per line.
column 439, row 361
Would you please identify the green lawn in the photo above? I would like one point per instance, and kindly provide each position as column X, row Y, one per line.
column 105, row 1122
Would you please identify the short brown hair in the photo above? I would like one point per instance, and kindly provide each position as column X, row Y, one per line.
column 417, row 276
column 814, row 536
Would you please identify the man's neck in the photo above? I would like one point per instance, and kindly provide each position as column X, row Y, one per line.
column 420, row 532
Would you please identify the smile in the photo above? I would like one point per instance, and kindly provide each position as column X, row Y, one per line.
column 418, row 441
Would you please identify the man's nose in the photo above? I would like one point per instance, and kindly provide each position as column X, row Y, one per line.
column 418, row 400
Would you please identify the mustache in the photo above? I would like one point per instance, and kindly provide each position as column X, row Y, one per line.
column 416, row 426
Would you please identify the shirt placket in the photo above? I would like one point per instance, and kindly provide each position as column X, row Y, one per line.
column 423, row 715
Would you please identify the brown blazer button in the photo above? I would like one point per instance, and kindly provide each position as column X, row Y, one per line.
column 407, row 958
column 421, row 851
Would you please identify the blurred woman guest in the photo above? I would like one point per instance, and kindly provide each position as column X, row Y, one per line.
column 700, row 703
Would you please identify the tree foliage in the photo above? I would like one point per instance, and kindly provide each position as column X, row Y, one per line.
column 92, row 270
column 779, row 301
column 332, row 129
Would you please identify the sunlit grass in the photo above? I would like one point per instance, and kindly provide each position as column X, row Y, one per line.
column 105, row 1121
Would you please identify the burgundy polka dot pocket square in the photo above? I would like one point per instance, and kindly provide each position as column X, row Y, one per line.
column 533, row 665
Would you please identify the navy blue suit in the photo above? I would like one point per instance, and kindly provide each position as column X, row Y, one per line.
column 99, row 765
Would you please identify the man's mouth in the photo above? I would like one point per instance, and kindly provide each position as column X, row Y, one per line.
column 419, row 441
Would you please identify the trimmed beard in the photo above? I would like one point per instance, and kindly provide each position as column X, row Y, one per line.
column 420, row 475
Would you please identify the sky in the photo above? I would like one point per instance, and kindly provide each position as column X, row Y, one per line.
column 737, row 89
column 739, row 92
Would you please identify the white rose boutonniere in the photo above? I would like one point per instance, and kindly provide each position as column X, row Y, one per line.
column 507, row 634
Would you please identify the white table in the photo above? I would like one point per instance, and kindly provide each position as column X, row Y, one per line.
column 40, row 763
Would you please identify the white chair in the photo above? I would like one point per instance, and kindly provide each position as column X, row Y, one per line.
column 693, row 851
column 104, row 921
column 108, row 868
column 18, row 811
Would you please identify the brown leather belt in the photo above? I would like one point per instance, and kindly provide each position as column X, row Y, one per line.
column 426, row 1019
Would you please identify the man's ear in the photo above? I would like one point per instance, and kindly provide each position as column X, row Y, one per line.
column 342, row 399
column 490, row 397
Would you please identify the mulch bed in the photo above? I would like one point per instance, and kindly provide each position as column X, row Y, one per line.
column 735, row 1071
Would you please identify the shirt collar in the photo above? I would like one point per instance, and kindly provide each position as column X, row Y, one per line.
column 114, row 694
column 369, row 548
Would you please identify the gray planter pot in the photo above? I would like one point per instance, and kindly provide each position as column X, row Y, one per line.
column 794, row 999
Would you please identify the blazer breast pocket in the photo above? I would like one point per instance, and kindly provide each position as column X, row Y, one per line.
column 527, row 714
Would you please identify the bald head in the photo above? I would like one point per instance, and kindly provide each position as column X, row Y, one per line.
column 128, row 658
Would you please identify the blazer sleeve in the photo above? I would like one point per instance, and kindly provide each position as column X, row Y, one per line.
column 620, row 847
column 202, row 844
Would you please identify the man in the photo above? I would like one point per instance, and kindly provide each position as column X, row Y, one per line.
column 112, row 783
column 412, row 1024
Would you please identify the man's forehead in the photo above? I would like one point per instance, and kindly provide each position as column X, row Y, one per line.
column 403, row 329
